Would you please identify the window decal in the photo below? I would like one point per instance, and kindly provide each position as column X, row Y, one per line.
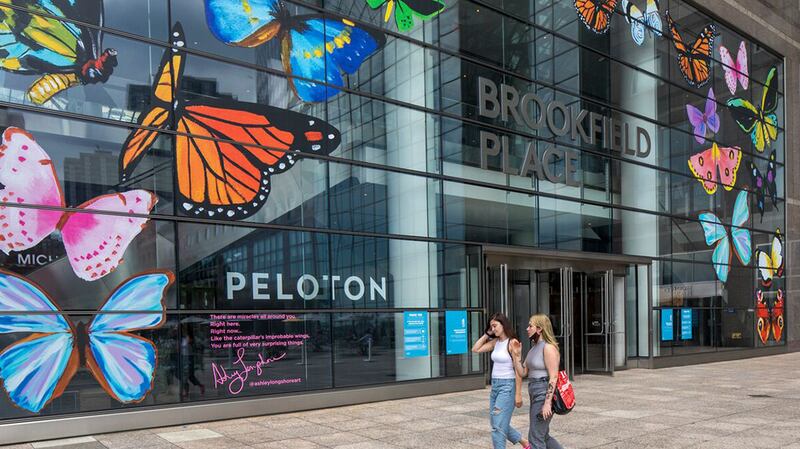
column 312, row 46
column 717, row 234
column 596, row 14
column 762, row 124
column 63, row 54
column 406, row 10
column 694, row 60
column 95, row 243
column 227, row 178
column 37, row 369
column 735, row 71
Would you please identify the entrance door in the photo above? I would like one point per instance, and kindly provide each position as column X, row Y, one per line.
column 555, row 299
column 597, row 313
column 579, row 304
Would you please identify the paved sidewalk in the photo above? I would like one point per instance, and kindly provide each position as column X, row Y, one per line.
column 743, row 404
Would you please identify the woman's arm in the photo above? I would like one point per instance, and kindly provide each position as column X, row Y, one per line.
column 514, row 349
column 484, row 344
column 516, row 358
column 551, row 362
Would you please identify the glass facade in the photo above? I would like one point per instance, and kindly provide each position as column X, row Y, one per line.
column 315, row 187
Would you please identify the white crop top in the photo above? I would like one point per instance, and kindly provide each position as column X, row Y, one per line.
column 503, row 365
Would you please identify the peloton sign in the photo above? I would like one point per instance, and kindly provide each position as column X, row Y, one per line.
column 529, row 110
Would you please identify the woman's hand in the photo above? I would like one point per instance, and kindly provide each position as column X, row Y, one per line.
column 516, row 349
column 547, row 410
column 518, row 401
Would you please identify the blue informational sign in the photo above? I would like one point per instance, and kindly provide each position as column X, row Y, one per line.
column 666, row 325
column 415, row 334
column 455, row 323
column 686, row 324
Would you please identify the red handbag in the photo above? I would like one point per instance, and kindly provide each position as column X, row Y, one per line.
column 564, row 396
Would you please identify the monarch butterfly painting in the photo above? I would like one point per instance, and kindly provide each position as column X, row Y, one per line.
column 695, row 60
column 406, row 10
column 225, row 151
column 63, row 54
column 313, row 47
column 596, row 14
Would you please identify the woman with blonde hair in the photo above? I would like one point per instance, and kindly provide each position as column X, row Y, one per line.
column 541, row 368
column 498, row 338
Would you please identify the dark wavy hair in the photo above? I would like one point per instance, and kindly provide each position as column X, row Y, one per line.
column 507, row 327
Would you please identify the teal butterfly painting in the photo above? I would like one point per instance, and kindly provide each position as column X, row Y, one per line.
column 406, row 10
column 63, row 54
column 313, row 47
column 717, row 234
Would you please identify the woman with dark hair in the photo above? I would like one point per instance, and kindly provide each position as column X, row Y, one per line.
column 506, row 384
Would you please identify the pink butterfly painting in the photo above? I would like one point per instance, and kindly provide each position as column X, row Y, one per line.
column 735, row 70
column 706, row 165
column 704, row 121
column 94, row 243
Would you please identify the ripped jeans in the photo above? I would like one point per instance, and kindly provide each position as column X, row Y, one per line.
column 501, row 407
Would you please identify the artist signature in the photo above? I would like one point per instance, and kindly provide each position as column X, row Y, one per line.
column 240, row 371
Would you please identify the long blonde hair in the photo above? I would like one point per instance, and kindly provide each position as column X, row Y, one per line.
column 543, row 321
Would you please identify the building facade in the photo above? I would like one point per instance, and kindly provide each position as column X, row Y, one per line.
column 223, row 208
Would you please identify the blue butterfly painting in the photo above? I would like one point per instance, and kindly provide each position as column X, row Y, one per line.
column 312, row 46
column 37, row 369
column 717, row 234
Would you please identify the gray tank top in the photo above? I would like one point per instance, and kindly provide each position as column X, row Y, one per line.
column 535, row 361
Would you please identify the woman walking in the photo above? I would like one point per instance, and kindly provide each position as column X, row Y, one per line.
column 541, row 368
column 506, row 383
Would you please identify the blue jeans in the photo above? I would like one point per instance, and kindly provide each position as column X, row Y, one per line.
column 501, row 407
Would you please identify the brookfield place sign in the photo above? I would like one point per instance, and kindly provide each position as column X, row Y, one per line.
column 528, row 110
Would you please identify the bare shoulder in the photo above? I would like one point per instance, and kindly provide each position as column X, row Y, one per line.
column 550, row 349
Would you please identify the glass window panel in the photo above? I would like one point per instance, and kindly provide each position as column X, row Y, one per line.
column 238, row 355
column 47, row 263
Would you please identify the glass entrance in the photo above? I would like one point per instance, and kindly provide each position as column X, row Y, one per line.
column 596, row 321
column 579, row 304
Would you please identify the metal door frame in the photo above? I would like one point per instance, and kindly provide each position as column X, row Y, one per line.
column 607, row 315
column 567, row 319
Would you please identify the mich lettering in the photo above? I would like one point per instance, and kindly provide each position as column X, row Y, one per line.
column 527, row 109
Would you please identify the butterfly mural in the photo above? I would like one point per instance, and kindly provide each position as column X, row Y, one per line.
column 596, row 14
column 225, row 151
column 764, row 184
column 63, row 54
column 716, row 166
column 716, row 234
column 770, row 319
column 649, row 20
column 94, row 243
column 705, row 121
column 406, row 10
column 694, row 60
column 37, row 369
column 735, row 70
column 761, row 124
column 312, row 46
column 770, row 264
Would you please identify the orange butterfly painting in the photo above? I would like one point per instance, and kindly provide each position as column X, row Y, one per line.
column 596, row 14
column 695, row 60
column 225, row 151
